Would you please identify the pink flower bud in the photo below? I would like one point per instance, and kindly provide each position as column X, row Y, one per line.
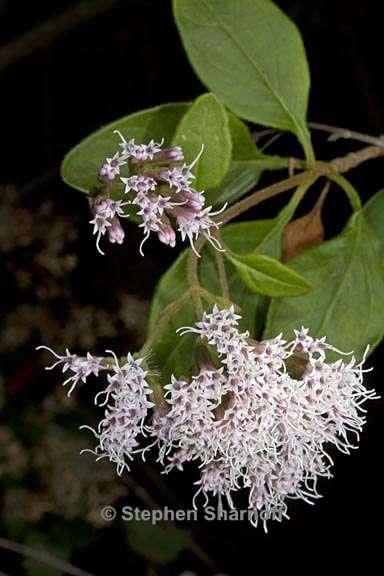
column 173, row 154
column 184, row 213
column 195, row 200
column 166, row 235
column 115, row 231
column 107, row 173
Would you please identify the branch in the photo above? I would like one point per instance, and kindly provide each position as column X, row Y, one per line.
column 336, row 166
column 337, row 133
column 43, row 557
column 164, row 317
column 48, row 31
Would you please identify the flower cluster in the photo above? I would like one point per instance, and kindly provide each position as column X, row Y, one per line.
column 159, row 185
column 79, row 367
column 258, row 416
column 263, row 418
column 127, row 400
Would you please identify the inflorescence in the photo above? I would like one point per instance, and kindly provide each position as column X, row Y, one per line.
column 260, row 416
column 159, row 186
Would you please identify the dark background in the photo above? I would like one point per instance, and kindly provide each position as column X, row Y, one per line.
column 129, row 58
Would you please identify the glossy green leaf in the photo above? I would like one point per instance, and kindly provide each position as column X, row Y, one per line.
column 347, row 300
column 265, row 275
column 247, row 165
column 81, row 165
column 252, row 56
column 244, row 146
column 374, row 214
column 240, row 179
column 206, row 123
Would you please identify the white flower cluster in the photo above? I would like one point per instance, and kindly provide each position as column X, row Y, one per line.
column 126, row 400
column 79, row 367
column 259, row 417
column 160, row 185
column 252, row 424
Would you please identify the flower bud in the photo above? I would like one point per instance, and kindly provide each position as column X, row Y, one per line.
column 173, row 154
column 167, row 235
column 115, row 231
column 194, row 200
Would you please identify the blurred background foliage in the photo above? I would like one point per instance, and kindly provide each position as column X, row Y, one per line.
column 67, row 68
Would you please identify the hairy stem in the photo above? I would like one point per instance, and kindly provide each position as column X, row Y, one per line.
column 163, row 318
column 194, row 283
column 220, row 265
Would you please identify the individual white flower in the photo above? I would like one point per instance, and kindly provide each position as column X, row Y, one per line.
column 111, row 167
column 138, row 152
column 106, row 213
column 180, row 177
column 191, row 224
column 138, row 183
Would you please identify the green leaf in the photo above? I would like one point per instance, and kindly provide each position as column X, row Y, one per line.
column 160, row 543
column 240, row 179
column 265, row 275
column 252, row 56
column 206, row 123
column 247, row 165
column 81, row 165
column 374, row 214
column 243, row 144
column 347, row 300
